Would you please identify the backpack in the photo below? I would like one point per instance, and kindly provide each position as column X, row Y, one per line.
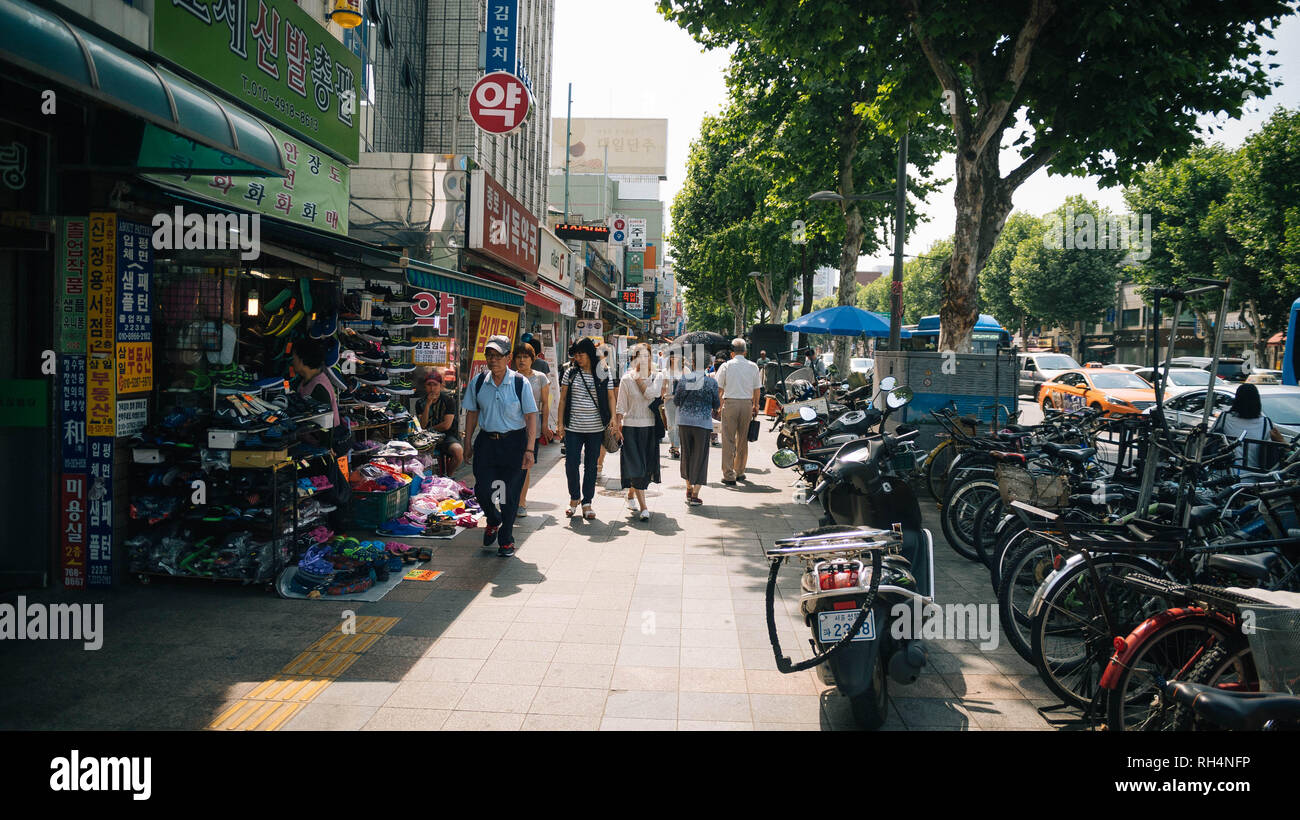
column 519, row 389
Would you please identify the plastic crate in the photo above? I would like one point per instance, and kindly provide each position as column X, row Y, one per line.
column 373, row 509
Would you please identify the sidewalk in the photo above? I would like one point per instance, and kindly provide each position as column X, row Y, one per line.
column 608, row 624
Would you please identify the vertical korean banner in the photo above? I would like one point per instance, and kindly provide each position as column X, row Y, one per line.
column 100, row 337
column 134, row 305
column 492, row 322
column 72, row 436
column 99, row 511
column 502, row 37
column 71, row 321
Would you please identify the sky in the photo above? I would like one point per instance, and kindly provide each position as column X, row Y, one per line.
column 625, row 60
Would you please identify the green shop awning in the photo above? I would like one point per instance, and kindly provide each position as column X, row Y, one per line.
column 44, row 44
column 431, row 277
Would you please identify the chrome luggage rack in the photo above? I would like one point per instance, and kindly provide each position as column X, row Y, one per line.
column 852, row 542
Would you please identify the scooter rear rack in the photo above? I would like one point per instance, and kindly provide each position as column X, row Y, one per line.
column 851, row 541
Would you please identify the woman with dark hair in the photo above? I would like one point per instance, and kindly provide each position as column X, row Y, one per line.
column 1247, row 416
column 524, row 356
column 586, row 407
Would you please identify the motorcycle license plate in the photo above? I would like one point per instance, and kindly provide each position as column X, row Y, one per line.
column 831, row 626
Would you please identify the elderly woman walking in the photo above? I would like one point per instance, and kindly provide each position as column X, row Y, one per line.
column 639, row 455
column 697, row 398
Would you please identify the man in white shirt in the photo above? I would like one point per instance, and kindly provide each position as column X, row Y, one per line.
column 739, row 383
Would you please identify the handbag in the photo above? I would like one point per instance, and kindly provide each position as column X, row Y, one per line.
column 661, row 425
column 753, row 430
column 611, row 442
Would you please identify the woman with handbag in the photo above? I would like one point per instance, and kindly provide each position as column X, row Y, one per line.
column 672, row 375
column 635, row 419
column 585, row 416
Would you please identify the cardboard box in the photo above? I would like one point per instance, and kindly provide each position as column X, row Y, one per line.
column 257, row 458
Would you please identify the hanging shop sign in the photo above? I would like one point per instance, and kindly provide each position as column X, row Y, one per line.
column 100, row 396
column 72, row 286
column 271, row 56
column 591, row 233
column 72, row 530
column 632, row 301
column 493, row 321
column 590, row 327
column 636, row 235
column 312, row 193
column 134, row 302
column 649, row 308
column 591, row 307
column 500, row 226
column 132, row 415
column 100, row 282
column 134, row 370
column 499, row 103
column 617, row 229
column 502, row 36
column 567, row 305
column 434, row 310
column 72, row 412
column 634, row 270
column 553, row 258
column 99, row 509
column 432, row 351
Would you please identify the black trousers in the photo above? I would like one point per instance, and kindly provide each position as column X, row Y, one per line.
column 499, row 478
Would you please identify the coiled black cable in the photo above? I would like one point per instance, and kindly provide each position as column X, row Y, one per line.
column 784, row 664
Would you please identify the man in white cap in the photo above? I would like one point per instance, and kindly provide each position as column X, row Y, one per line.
column 506, row 443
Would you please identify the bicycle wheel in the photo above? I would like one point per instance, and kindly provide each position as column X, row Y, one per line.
column 936, row 467
column 986, row 520
column 1029, row 561
column 1001, row 549
column 959, row 511
column 1201, row 650
column 1071, row 643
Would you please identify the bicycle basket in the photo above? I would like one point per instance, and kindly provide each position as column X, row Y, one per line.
column 1275, row 645
column 1046, row 490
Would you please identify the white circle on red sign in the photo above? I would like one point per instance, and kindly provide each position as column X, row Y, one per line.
column 499, row 102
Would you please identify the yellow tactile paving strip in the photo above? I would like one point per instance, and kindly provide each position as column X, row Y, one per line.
column 272, row 702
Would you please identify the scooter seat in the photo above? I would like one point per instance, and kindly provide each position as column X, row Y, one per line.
column 1074, row 455
column 1239, row 711
column 1257, row 566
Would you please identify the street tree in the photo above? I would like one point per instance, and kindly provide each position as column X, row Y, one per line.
column 995, row 278
column 1066, row 283
column 1097, row 88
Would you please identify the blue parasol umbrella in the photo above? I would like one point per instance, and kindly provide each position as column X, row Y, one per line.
column 844, row 320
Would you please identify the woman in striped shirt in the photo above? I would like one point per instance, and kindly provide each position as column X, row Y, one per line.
column 586, row 401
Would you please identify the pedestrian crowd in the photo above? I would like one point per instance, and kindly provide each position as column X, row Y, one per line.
column 598, row 412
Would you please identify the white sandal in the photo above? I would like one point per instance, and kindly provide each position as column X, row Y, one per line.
column 572, row 511
column 588, row 513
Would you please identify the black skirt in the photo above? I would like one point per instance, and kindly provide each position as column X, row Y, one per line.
column 638, row 458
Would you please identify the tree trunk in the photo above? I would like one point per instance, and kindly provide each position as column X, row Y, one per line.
column 853, row 228
column 1207, row 332
column 807, row 284
column 983, row 203
column 1250, row 312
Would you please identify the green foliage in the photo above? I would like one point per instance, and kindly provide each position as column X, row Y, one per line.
column 1065, row 285
column 995, row 279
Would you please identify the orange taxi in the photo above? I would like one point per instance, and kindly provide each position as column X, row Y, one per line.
column 1111, row 390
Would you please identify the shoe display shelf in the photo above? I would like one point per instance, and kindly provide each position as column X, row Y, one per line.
column 197, row 513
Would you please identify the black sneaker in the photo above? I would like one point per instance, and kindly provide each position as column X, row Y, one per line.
column 505, row 550
column 730, row 483
column 490, row 535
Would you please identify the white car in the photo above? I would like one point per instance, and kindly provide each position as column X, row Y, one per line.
column 856, row 365
column 1181, row 379
column 1281, row 403
column 1132, row 368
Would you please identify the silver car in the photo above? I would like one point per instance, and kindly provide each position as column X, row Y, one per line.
column 1036, row 368
column 1281, row 403
column 1181, row 379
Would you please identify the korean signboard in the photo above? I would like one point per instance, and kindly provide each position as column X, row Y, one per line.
column 72, row 412
column 499, row 103
column 502, row 36
column 636, row 146
column 554, row 259
column 134, row 299
column 23, row 403
column 432, row 351
column 271, row 56
column 99, row 511
column 100, row 282
column 590, row 327
column 72, row 530
column 632, row 301
column 72, row 286
column 493, row 321
column 100, row 396
column 636, row 235
column 134, row 368
column 313, row 193
column 132, row 414
column 501, row 227
column 591, row 307
column 434, row 310
column 634, row 270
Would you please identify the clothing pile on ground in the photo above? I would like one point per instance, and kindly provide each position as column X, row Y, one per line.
column 345, row 566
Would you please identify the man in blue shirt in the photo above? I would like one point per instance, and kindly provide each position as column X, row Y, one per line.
column 506, row 445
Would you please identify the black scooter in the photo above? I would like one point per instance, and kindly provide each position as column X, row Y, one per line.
column 850, row 607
